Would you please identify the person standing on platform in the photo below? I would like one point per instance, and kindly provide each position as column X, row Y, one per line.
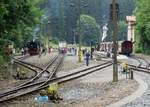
column 87, row 56
column 49, row 50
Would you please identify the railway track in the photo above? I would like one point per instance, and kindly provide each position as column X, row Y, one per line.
column 29, row 66
column 142, row 61
column 43, row 84
column 23, row 57
column 41, row 72
column 147, row 64
column 23, row 63
column 142, row 66
column 141, row 69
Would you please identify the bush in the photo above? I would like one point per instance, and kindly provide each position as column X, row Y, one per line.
column 138, row 50
column 147, row 51
column 2, row 61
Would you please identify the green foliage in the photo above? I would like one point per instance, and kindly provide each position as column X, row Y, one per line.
column 54, row 40
column 122, row 31
column 17, row 20
column 138, row 50
column 89, row 29
column 1, row 60
column 4, row 43
column 22, row 72
column 142, row 13
column 64, row 14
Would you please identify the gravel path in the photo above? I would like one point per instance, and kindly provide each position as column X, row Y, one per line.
column 71, row 62
column 96, row 94
column 144, row 100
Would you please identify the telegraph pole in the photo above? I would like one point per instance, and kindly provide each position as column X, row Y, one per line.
column 79, row 31
column 114, row 22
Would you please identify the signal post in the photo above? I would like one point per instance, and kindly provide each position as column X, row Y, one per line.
column 114, row 13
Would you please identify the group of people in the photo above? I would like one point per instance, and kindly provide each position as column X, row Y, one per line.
column 44, row 50
column 24, row 51
column 86, row 54
column 72, row 50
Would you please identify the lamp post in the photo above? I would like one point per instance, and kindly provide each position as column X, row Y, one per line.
column 114, row 22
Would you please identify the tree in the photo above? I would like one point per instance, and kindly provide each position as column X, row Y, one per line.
column 17, row 20
column 142, row 13
column 122, row 30
column 89, row 29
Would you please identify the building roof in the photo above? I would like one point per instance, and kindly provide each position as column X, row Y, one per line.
column 131, row 18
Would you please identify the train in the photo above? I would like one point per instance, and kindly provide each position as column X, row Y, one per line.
column 33, row 47
column 62, row 47
column 123, row 47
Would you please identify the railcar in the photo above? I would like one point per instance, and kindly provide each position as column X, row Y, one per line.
column 33, row 47
column 123, row 47
column 62, row 47
column 126, row 47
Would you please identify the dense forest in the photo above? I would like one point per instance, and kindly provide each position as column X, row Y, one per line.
column 55, row 20
column 63, row 15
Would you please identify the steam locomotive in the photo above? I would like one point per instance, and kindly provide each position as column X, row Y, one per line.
column 33, row 47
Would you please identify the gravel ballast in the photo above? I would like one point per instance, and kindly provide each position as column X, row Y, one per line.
column 84, row 92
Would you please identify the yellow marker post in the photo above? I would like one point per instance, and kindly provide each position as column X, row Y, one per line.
column 52, row 88
column 80, row 55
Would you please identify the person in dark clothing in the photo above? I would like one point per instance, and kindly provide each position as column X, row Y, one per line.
column 87, row 56
column 83, row 51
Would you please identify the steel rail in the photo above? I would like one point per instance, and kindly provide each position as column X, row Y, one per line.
column 139, row 59
column 83, row 70
column 31, row 80
column 23, row 62
column 61, row 79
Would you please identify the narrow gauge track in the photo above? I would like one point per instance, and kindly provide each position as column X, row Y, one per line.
column 141, row 61
column 146, row 62
column 41, row 72
column 62, row 79
column 139, row 68
column 23, row 63
column 37, row 76
column 23, row 57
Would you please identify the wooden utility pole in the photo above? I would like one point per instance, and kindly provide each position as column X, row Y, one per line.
column 79, row 53
column 114, row 22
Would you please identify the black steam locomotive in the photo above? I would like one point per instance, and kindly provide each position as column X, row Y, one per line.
column 33, row 47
